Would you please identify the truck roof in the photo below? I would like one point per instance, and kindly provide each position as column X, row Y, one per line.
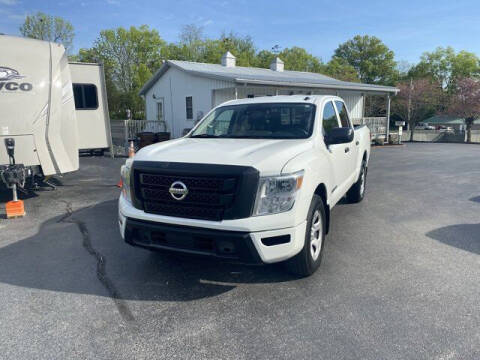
column 309, row 99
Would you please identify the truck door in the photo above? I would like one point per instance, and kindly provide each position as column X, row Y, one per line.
column 338, row 156
column 351, row 149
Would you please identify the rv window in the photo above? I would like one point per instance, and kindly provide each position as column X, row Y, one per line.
column 189, row 107
column 86, row 97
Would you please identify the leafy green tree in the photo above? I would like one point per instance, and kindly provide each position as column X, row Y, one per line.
column 298, row 59
column 445, row 66
column 370, row 57
column 264, row 58
column 341, row 70
column 130, row 57
column 46, row 27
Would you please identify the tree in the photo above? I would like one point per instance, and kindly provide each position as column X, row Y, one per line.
column 341, row 70
column 416, row 100
column 264, row 58
column 370, row 57
column 45, row 27
column 445, row 66
column 130, row 57
column 465, row 102
column 298, row 59
column 192, row 43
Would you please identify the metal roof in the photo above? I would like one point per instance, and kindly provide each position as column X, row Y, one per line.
column 261, row 76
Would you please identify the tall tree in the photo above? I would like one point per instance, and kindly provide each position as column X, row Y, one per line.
column 465, row 102
column 370, row 57
column 341, row 70
column 416, row 100
column 130, row 57
column 445, row 66
column 298, row 59
column 50, row 28
column 192, row 42
column 264, row 58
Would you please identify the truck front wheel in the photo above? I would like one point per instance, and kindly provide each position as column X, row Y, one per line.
column 307, row 261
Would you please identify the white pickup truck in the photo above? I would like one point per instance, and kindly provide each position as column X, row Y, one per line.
column 253, row 182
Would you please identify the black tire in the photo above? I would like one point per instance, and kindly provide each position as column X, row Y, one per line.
column 304, row 263
column 357, row 191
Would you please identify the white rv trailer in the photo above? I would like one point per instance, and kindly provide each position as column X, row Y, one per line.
column 91, row 106
column 39, row 135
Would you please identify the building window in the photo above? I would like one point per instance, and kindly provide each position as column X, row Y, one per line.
column 160, row 111
column 85, row 96
column 189, row 107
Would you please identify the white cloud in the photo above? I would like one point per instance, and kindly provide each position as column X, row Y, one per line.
column 208, row 22
column 111, row 2
column 8, row 2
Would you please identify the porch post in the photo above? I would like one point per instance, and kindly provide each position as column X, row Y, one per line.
column 363, row 108
column 388, row 117
column 236, row 93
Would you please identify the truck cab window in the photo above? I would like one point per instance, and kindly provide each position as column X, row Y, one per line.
column 330, row 120
column 342, row 112
column 85, row 96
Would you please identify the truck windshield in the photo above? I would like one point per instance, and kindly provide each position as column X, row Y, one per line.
column 263, row 121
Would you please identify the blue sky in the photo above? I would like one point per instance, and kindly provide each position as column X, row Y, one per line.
column 407, row 27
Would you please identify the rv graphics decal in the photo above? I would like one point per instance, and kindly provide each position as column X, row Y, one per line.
column 7, row 74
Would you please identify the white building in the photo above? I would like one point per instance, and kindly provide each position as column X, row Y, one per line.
column 181, row 92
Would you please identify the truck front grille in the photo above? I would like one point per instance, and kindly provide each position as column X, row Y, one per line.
column 207, row 197
column 215, row 192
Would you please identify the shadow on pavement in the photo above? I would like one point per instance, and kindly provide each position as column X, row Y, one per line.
column 462, row 236
column 475, row 199
column 82, row 252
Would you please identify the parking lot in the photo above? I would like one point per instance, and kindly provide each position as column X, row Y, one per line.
column 399, row 280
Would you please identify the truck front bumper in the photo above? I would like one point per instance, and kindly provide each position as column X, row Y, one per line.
column 204, row 238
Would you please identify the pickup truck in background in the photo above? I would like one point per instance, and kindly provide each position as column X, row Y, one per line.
column 253, row 182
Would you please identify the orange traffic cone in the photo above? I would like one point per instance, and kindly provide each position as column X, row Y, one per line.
column 131, row 150
column 120, row 183
column 15, row 208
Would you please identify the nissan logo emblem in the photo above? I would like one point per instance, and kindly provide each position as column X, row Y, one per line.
column 178, row 190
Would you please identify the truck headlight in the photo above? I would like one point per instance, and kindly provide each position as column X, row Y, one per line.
column 125, row 171
column 277, row 194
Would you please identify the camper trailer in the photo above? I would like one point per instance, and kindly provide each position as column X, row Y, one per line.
column 91, row 108
column 43, row 117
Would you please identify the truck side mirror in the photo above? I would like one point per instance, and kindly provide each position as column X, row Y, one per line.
column 341, row 135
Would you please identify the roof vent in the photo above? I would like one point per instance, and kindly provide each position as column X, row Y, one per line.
column 228, row 60
column 276, row 64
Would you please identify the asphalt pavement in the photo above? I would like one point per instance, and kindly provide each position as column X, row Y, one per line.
column 400, row 277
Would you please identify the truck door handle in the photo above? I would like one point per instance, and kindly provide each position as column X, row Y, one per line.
column 357, row 142
column 347, row 149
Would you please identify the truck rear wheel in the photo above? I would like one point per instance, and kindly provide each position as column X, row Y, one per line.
column 307, row 261
column 357, row 191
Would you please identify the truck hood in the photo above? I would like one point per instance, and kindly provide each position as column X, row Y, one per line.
column 267, row 156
